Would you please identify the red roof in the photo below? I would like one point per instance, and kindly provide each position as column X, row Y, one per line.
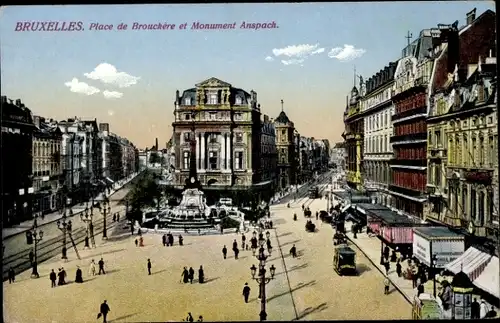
column 475, row 41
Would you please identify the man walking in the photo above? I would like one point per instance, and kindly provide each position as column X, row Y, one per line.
column 53, row 278
column 164, row 240
column 475, row 309
column 224, row 252
column 12, row 275
column 236, row 252
column 191, row 274
column 243, row 239
column 387, row 283
column 104, row 310
column 101, row 267
column 246, row 292
column 149, row 267
column 293, row 251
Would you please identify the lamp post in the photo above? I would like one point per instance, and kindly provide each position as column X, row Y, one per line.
column 65, row 227
column 262, row 280
column 433, row 273
column 105, row 210
column 37, row 237
column 87, row 218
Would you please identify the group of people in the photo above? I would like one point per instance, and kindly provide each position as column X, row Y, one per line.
column 61, row 274
column 116, row 217
column 60, row 277
column 187, row 276
column 168, row 240
column 190, row 318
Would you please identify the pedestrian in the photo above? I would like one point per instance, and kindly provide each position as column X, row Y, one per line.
column 236, row 252
column 191, row 274
column 483, row 310
column 224, row 251
column 92, row 268
column 171, row 239
column 243, row 239
column 136, row 242
column 79, row 275
column 387, row 267
column 149, row 267
column 141, row 242
column 271, row 224
column 201, row 275
column 189, row 318
column 355, row 231
column 293, row 251
column 268, row 243
column 104, row 310
column 398, row 268
column 63, row 274
column 492, row 313
column 387, row 283
column 53, row 278
column 181, row 240
column 114, row 217
column 101, row 267
column 164, row 240
column 235, row 244
column 420, row 289
column 475, row 309
column 386, row 252
column 246, row 292
column 185, row 275
column 117, row 217
column 317, row 215
column 12, row 275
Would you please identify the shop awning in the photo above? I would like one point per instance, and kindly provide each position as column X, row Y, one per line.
column 488, row 279
column 345, row 208
column 110, row 180
column 472, row 262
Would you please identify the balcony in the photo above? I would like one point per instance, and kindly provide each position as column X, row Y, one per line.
column 409, row 162
column 409, row 137
column 405, row 191
column 417, row 111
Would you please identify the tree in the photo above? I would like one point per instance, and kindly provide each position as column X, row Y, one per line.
column 154, row 158
column 145, row 192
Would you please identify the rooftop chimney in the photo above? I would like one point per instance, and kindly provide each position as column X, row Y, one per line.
column 103, row 127
column 18, row 102
column 471, row 16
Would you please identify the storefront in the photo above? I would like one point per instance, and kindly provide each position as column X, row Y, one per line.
column 472, row 262
column 438, row 243
column 393, row 228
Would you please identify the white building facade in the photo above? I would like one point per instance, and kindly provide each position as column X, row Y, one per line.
column 377, row 108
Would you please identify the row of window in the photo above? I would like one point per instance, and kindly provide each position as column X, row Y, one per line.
column 410, row 180
column 213, row 98
column 410, row 153
column 378, row 121
column 213, row 137
column 413, row 102
column 45, row 148
column 410, row 128
column 407, row 206
column 480, row 151
column 472, row 203
column 214, row 161
column 378, row 172
column 377, row 144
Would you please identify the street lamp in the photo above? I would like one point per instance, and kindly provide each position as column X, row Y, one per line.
column 37, row 237
column 262, row 280
column 433, row 273
column 87, row 218
column 105, row 209
column 65, row 227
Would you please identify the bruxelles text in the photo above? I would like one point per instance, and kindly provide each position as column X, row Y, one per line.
column 94, row 26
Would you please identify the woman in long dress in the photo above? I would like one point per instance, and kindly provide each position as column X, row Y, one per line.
column 201, row 275
column 141, row 242
column 185, row 275
column 78, row 278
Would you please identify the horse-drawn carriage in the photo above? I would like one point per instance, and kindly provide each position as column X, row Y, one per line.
column 325, row 216
column 339, row 238
column 310, row 227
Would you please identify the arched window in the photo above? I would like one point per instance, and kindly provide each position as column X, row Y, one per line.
column 482, row 201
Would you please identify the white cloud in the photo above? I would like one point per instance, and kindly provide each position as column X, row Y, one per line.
column 108, row 74
column 111, row 112
column 293, row 61
column 269, row 59
column 81, row 87
column 346, row 53
column 112, row 94
column 297, row 53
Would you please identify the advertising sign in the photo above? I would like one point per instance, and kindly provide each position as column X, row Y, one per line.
column 421, row 249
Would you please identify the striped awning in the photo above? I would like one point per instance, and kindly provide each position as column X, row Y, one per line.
column 488, row 279
column 472, row 262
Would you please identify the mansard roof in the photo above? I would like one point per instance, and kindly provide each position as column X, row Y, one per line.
column 282, row 118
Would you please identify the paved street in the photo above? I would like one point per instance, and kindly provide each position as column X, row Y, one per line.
column 318, row 292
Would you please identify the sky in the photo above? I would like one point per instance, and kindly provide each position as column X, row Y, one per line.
column 128, row 78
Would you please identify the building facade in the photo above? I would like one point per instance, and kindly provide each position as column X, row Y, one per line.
column 285, row 146
column 462, row 177
column 17, row 132
column 353, row 136
column 225, row 122
column 268, row 155
column 112, row 160
column 339, row 156
column 48, row 176
column 409, row 139
column 305, row 159
column 377, row 110
column 129, row 156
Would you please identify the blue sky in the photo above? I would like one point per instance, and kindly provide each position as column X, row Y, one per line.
column 37, row 65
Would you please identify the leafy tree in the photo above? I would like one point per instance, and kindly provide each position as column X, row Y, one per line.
column 145, row 192
column 154, row 158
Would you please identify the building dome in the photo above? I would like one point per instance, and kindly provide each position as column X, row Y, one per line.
column 461, row 280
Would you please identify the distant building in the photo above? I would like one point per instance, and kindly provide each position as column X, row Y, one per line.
column 338, row 156
column 17, row 132
column 112, row 161
column 285, row 146
column 268, row 154
column 225, row 122
column 48, row 171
